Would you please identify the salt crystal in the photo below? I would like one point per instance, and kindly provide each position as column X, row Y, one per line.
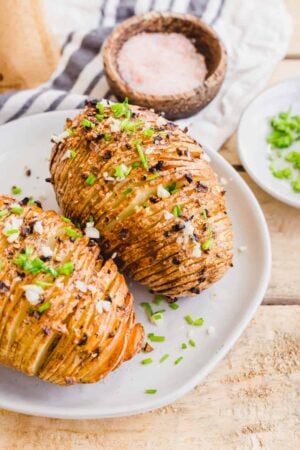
column 145, row 61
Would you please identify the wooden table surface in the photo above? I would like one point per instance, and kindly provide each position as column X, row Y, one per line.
column 252, row 399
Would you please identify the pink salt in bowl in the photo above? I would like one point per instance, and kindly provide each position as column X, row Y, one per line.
column 173, row 63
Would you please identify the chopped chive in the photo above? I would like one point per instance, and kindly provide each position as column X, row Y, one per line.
column 127, row 191
column 87, row 123
column 150, row 391
column 4, row 212
column 177, row 211
column 121, row 109
column 207, row 244
column 204, row 214
column 192, row 343
column 154, row 338
column 296, row 185
column 107, row 137
column 155, row 317
column 153, row 177
column 189, row 320
column 73, row 154
column 100, row 108
column 1, row 265
column 17, row 210
column 66, row 269
column 72, row 233
column 65, row 219
column 16, row 190
column 172, row 188
column 164, row 357
column 11, row 232
column 99, row 117
column 159, row 298
column 130, row 127
column 91, row 179
column 147, row 361
column 183, row 346
column 147, row 308
column 173, row 305
column 141, row 154
column 178, row 360
column 148, row 132
column 122, row 171
column 42, row 284
column 44, row 307
column 136, row 164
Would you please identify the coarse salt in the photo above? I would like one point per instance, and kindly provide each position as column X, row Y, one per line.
column 161, row 63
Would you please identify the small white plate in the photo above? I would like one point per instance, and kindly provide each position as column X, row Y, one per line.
column 227, row 306
column 252, row 132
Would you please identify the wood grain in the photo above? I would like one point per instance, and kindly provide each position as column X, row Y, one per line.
column 250, row 401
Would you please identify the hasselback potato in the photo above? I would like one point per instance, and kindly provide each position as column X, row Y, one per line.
column 66, row 316
column 151, row 192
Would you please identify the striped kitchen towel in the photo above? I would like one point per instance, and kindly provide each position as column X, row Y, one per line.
column 256, row 34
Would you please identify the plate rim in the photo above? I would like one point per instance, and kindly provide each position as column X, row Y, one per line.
column 273, row 192
column 231, row 338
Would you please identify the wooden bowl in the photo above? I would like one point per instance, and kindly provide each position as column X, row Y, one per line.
column 203, row 37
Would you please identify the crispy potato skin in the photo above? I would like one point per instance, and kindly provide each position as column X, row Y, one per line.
column 72, row 341
column 150, row 247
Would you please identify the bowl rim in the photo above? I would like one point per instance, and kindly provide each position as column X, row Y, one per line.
column 110, row 67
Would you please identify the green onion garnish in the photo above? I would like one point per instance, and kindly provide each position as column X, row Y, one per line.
column 153, row 177
column 99, row 117
column 87, row 123
column 100, row 108
column 65, row 219
column 154, row 338
column 207, row 244
column 192, row 343
column 121, row 109
column 72, row 233
column 130, row 127
column 1, row 265
column 164, row 357
column 150, row 391
column 17, row 210
column 172, row 188
column 159, row 298
column 147, row 308
column 122, row 171
column 296, row 185
column 107, row 137
column 73, row 154
column 294, row 158
column 177, row 211
column 178, row 360
column 42, row 284
column 16, row 190
column 11, row 232
column 136, row 164
column 66, row 269
column 127, row 191
column 141, row 154
column 197, row 322
column 91, row 179
column 147, row 361
column 44, row 307
column 204, row 215
column 173, row 305
column 148, row 132
column 4, row 212
column 183, row 346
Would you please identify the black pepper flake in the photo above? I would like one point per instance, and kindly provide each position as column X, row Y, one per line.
column 83, row 340
column 38, row 203
column 157, row 167
column 231, row 265
column 176, row 261
column 3, row 287
column 24, row 201
column 178, row 226
column 93, row 242
column 21, row 274
column 119, row 261
column 106, row 245
column 98, row 137
column 148, row 348
column 96, row 353
column 69, row 381
column 179, row 152
column 107, row 155
column 167, row 233
column 25, row 231
column 201, row 279
column 123, row 233
column 185, row 130
column 188, row 177
column 153, row 199
column 195, row 290
column 91, row 102
column 201, row 187
column 128, row 146
column 48, row 180
column 45, row 258
column 28, row 172
column 157, row 139
column 108, row 298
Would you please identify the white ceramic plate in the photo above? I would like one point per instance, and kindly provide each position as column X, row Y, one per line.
column 253, row 130
column 227, row 306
